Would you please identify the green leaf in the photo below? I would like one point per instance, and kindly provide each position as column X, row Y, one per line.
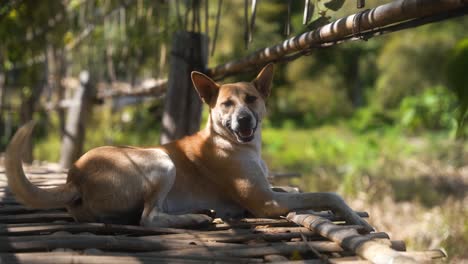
column 458, row 79
column 334, row 4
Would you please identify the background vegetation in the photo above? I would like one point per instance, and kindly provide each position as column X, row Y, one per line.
column 375, row 121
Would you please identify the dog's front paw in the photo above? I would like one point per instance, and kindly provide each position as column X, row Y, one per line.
column 158, row 219
column 192, row 220
column 351, row 217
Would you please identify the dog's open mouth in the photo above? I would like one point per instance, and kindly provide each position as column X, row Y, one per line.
column 245, row 135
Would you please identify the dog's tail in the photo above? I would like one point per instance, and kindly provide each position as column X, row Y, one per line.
column 26, row 192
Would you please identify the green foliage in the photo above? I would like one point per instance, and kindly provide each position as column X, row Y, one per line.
column 127, row 126
column 371, row 118
column 433, row 109
column 400, row 76
column 457, row 78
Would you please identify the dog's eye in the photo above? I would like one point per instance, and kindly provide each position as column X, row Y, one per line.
column 250, row 99
column 228, row 103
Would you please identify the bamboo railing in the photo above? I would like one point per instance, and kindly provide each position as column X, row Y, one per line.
column 352, row 25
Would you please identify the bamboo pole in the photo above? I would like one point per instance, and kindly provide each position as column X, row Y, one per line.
column 97, row 228
column 384, row 15
column 23, row 258
column 45, row 243
column 254, row 250
column 38, row 217
column 251, row 222
column 164, row 247
column 350, row 240
column 149, row 87
column 236, row 236
column 117, row 257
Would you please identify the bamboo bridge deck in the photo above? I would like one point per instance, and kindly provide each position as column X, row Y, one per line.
column 51, row 236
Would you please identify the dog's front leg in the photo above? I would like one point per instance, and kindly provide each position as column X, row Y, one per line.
column 156, row 218
column 320, row 201
column 159, row 183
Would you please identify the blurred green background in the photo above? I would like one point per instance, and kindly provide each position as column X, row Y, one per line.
column 378, row 121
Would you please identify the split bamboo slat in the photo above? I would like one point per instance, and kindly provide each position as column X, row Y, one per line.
column 51, row 236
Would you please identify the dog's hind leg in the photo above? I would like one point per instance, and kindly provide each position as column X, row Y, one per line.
column 160, row 181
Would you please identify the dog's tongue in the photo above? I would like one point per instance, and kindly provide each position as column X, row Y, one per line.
column 246, row 132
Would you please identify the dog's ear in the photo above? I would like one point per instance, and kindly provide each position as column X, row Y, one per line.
column 263, row 80
column 205, row 86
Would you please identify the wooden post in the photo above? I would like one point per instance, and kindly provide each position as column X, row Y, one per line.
column 78, row 110
column 182, row 109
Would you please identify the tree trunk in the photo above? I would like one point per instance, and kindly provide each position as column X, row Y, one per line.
column 355, row 92
column 79, row 109
column 35, row 80
column 26, row 114
column 4, row 134
column 62, row 72
column 2, row 95
column 182, row 109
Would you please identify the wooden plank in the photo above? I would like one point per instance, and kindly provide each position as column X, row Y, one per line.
column 349, row 239
column 426, row 255
column 236, row 236
column 171, row 247
column 38, row 217
column 97, row 228
column 157, row 259
column 48, row 242
column 304, row 261
column 47, row 258
column 349, row 260
column 254, row 250
column 21, row 209
column 252, row 222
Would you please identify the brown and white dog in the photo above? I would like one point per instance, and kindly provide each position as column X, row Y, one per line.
column 218, row 168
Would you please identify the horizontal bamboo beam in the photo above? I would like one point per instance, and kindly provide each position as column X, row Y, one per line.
column 165, row 247
column 349, row 239
column 149, row 87
column 381, row 16
column 47, row 242
column 37, row 217
column 46, row 258
column 96, row 228
column 254, row 250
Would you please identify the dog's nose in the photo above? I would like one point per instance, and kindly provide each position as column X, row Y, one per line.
column 244, row 120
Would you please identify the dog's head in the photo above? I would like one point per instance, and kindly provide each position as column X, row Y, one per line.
column 236, row 109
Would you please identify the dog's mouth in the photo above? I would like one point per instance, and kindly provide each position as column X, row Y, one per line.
column 243, row 135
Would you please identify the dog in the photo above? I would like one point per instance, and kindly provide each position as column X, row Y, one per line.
column 218, row 168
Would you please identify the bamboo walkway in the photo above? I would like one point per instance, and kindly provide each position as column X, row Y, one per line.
column 51, row 236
